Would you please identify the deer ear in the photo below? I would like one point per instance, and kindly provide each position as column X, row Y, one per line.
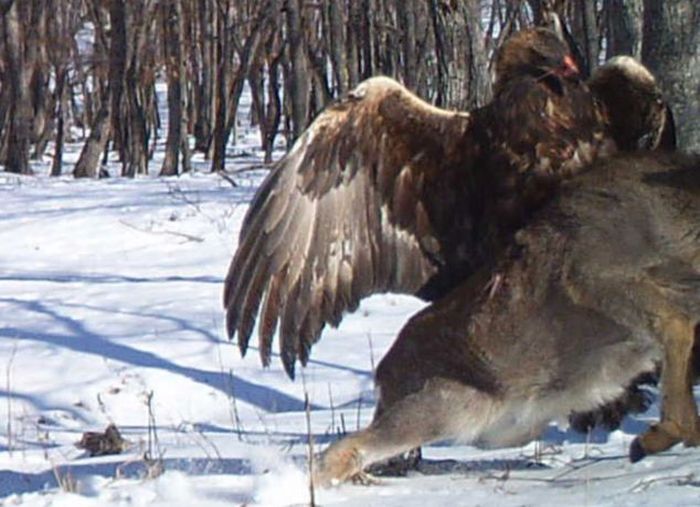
column 667, row 139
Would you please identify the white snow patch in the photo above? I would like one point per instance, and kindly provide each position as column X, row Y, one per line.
column 110, row 291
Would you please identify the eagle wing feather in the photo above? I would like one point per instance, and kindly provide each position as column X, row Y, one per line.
column 342, row 216
column 384, row 192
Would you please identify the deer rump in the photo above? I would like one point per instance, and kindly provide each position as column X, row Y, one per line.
column 602, row 287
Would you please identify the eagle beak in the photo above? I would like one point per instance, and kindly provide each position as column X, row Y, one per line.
column 569, row 67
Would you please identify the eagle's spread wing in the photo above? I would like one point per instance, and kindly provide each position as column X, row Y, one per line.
column 385, row 192
column 360, row 205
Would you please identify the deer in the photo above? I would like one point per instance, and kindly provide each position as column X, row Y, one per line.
column 601, row 287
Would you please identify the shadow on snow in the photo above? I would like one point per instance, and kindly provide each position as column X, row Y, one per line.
column 80, row 339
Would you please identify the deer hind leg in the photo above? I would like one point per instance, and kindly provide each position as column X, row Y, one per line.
column 395, row 466
column 419, row 418
column 679, row 414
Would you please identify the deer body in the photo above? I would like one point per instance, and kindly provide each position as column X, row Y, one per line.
column 604, row 285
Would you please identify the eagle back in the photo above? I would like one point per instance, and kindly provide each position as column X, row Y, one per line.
column 540, row 132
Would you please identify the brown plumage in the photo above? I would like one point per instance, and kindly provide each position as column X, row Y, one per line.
column 385, row 192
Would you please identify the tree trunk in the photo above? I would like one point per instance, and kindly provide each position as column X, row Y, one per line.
column 479, row 91
column 224, row 57
column 623, row 20
column 441, row 55
column 462, row 76
column 366, row 38
column 407, row 23
column 18, row 75
column 57, row 163
column 671, row 49
column 89, row 160
column 134, row 117
column 37, row 62
column 228, row 97
column 337, row 42
column 172, row 42
column 273, row 111
column 299, row 75
column 204, row 88
column 118, row 49
column 585, row 33
column 353, row 44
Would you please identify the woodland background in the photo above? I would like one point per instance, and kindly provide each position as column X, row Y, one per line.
column 88, row 69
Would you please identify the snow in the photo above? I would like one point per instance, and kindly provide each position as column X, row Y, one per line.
column 110, row 295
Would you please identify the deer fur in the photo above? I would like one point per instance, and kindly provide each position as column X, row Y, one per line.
column 601, row 287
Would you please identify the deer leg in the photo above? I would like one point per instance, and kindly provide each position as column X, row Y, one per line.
column 422, row 417
column 399, row 465
column 398, row 429
column 679, row 415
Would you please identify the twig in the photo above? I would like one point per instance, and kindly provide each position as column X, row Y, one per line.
column 233, row 405
column 188, row 237
column 66, row 481
column 153, row 456
column 645, row 484
column 310, row 438
column 8, row 374
column 250, row 168
column 343, row 426
column 330, row 400
column 359, row 412
column 196, row 204
column 228, row 178
column 178, row 194
column 196, row 430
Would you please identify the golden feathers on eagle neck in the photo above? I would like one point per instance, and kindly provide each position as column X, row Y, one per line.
column 385, row 192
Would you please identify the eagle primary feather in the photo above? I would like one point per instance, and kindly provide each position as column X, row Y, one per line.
column 340, row 217
column 385, row 192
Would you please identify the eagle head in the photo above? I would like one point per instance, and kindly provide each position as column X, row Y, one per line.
column 538, row 53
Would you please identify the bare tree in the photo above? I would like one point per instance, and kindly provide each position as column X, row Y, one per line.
column 94, row 64
column 297, row 78
column 463, row 80
column 245, row 47
column 337, row 25
column 204, row 70
column 61, row 35
column 671, row 48
column 623, row 22
column 171, row 12
column 17, row 81
column 101, row 127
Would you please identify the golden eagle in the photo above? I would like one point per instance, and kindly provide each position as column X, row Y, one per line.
column 387, row 193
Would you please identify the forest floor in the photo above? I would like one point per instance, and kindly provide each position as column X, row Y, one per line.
column 110, row 312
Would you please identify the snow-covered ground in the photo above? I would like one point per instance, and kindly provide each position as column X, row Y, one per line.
column 110, row 312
